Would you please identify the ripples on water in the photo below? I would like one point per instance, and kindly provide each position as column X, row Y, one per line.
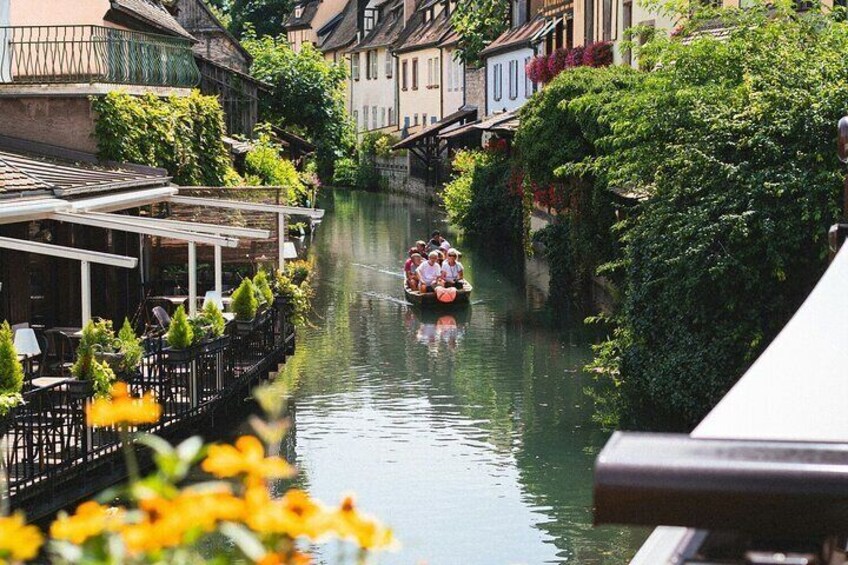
column 468, row 433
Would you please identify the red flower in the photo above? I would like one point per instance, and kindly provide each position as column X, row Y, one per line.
column 598, row 54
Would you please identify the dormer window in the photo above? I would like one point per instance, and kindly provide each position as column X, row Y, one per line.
column 298, row 11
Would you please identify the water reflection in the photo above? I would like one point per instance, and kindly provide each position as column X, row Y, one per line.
column 467, row 431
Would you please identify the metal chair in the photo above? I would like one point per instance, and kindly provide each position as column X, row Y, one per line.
column 162, row 317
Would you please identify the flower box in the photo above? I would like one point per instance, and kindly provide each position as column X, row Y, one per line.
column 80, row 389
column 244, row 327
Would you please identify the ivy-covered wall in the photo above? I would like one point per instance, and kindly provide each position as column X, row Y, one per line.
column 180, row 134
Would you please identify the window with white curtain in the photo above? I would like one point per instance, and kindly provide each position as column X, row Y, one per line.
column 513, row 80
column 497, row 81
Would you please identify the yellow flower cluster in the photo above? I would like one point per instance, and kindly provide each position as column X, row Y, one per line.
column 246, row 458
column 18, row 541
column 90, row 520
column 123, row 409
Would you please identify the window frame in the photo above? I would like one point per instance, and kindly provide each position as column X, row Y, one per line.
column 354, row 66
column 415, row 73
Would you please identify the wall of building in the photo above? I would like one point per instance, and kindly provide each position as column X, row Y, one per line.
column 374, row 93
column 421, row 102
column 524, row 88
column 640, row 16
column 66, row 122
column 453, row 82
column 475, row 89
column 58, row 12
column 395, row 172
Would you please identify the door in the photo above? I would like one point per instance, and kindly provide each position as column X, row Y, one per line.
column 5, row 42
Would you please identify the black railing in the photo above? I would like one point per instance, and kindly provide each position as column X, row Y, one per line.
column 47, row 443
column 94, row 54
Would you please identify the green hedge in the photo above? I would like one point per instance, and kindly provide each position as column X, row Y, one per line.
column 180, row 133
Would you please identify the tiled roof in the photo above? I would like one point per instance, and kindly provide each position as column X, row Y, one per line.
column 344, row 32
column 27, row 166
column 310, row 8
column 515, row 38
column 152, row 13
column 387, row 30
column 420, row 34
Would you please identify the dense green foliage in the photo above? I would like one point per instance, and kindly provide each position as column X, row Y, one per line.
column 266, row 17
column 361, row 171
column 180, row 333
column 264, row 166
column 11, row 370
column 307, row 96
column 130, row 348
column 181, row 134
column 293, row 286
column 98, row 340
column 263, row 288
column 487, row 199
column 478, row 22
column 731, row 143
column 245, row 305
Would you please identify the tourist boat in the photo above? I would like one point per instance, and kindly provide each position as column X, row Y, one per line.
column 429, row 300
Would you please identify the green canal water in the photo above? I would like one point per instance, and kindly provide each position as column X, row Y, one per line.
column 469, row 434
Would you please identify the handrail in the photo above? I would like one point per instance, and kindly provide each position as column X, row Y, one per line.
column 73, row 54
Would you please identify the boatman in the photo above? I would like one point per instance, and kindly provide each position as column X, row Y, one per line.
column 429, row 273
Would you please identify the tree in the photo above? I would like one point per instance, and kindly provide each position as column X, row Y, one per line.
column 478, row 23
column 266, row 17
column 308, row 95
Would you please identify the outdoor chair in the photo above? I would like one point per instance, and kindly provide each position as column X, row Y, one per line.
column 61, row 352
column 162, row 317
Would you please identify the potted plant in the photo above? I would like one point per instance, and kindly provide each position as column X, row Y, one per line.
column 245, row 305
column 208, row 328
column 96, row 355
column 180, row 337
column 262, row 288
column 11, row 378
column 131, row 350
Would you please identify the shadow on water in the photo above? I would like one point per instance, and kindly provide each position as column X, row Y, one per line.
column 467, row 430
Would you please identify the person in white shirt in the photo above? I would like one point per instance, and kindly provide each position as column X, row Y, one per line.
column 438, row 242
column 452, row 270
column 429, row 273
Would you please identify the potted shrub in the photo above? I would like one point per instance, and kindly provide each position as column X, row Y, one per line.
column 97, row 354
column 11, row 378
column 208, row 327
column 131, row 350
column 180, row 337
column 245, row 306
column 262, row 288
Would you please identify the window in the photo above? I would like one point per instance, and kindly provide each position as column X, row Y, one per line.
column 451, row 64
column 513, row 80
column 354, row 66
column 391, row 116
column 403, row 76
column 459, row 79
column 383, row 117
column 437, row 79
column 389, row 65
column 528, row 84
column 406, row 122
column 298, row 11
column 374, row 117
column 627, row 23
column 356, row 119
column 424, row 119
column 416, row 120
column 497, row 82
column 432, row 119
column 372, row 64
column 429, row 73
column 415, row 76
column 365, row 118
column 607, row 20
column 368, row 65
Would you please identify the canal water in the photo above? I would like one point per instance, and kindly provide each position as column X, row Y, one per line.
column 469, row 434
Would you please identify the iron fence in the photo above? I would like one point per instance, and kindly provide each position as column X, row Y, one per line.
column 89, row 54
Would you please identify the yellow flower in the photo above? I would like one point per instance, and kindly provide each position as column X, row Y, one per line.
column 294, row 515
column 91, row 520
column 247, row 458
column 294, row 558
column 19, row 541
column 123, row 409
column 367, row 532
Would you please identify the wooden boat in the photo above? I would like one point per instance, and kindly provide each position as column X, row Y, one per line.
column 429, row 300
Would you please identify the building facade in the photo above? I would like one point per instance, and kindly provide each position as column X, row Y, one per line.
column 308, row 17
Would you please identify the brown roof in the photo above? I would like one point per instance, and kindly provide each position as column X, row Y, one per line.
column 310, row 8
column 152, row 13
column 387, row 30
column 419, row 34
column 522, row 36
column 343, row 32
column 464, row 114
column 28, row 166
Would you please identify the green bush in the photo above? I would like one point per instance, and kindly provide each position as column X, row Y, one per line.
column 245, row 305
column 180, row 333
column 733, row 140
column 98, row 336
column 130, row 347
column 264, row 163
column 297, row 297
column 263, row 288
column 102, row 378
column 11, row 370
column 345, row 173
column 180, row 133
column 214, row 319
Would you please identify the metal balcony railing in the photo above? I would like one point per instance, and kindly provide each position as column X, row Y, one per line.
column 72, row 54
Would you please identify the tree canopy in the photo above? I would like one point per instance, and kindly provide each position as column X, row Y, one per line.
column 266, row 17
column 478, row 22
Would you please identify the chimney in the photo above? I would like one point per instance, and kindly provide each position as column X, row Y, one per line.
column 408, row 9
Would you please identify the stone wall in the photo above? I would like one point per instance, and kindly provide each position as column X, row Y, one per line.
column 65, row 122
column 395, row 172
column 475, row 89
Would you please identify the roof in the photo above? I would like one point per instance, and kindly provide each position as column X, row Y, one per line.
column 522, row 36
column 310, row 8
column 503, row 121
column 292, row 140
column 419, row 34
column 219, row 28
column 27, row 166
column 464, row 113
column 387, row 30
column 152, row 13
column 343, row 32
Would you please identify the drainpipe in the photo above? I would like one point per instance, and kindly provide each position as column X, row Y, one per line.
column 397, row 88
column 441, row 86
column 838, row 232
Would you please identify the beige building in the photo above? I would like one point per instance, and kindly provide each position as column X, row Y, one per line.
column 135, row 45
column 308, row 18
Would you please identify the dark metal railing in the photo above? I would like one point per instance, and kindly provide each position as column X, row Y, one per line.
column 46, row 442
column 94, row 54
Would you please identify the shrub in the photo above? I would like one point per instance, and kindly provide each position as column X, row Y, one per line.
column 297, row 298
column 180, row 333
column 181, row 134
column 558, row 61
column 346, row 171
column 245, row 305
column 538, row 71
column 214, row 318
column 102, row 378
column 130, row 347
column 597, row 54
column 264, row 164
column 298, row 271
column 11, row 370
column 263, row 288
column 98, row 336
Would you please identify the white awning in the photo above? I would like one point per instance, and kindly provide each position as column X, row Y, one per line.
column 549, row 27
column 25, row 211
column 123, row 200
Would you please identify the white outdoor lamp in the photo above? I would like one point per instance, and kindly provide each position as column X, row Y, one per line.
column 26, row 344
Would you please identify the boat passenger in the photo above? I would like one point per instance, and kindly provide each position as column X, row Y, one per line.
column 429, row 273
column 411, row 272
column 437, row 242
column 421, row 248
column 408, row 265
column 452, row 272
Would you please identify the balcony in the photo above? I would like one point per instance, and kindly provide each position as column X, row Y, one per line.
column 89, row 55
column 554, row 8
